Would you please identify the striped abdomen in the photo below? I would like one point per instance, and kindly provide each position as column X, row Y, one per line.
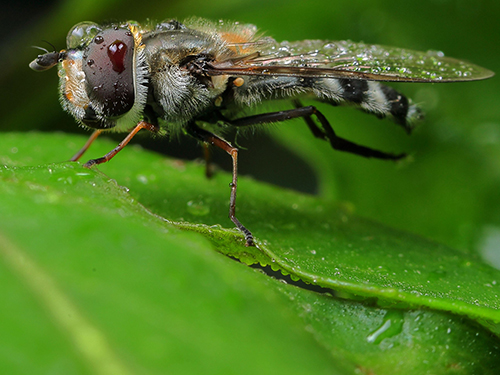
column 372, row 97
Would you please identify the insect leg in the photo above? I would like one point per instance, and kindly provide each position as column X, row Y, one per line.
column 92, row 138
column 207, row 155
column 313, row 127
column 214, row 140
column 342, row 144
column 327, row 133
column 109, row 155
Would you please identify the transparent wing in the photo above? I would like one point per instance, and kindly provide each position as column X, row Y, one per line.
column 345, row 59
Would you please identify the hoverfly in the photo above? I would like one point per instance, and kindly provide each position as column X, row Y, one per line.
column 185, row 76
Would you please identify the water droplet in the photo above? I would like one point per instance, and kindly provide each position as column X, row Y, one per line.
column 65, row 180
column 436, row 275
column 198, row 208
column 142, row 179
column 392, row 325
column 307, row 307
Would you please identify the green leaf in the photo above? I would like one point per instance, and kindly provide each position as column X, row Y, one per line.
column 93, row 283
column 383, row 341
column 85, row 262
column 313, row 239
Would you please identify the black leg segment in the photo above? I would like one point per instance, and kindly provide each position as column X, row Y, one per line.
column 326, row 132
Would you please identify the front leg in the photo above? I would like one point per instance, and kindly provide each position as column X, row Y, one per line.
column 113, row 152
column 92, row 138
column 212, row 139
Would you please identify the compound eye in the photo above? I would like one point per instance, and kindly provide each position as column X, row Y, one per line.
column 108, row 67
column 81, row 34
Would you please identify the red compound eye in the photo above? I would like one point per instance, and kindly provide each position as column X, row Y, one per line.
column 116, row 54
column 109, row 74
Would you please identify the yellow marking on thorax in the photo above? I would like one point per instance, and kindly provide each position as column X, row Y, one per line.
column 240, row 44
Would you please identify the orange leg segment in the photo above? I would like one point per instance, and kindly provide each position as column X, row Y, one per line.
column 141, row 125
column 92, row 138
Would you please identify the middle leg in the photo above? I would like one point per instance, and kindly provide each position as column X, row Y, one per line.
column 212, row 139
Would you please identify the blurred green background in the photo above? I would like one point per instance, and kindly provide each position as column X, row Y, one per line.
column 450, row 192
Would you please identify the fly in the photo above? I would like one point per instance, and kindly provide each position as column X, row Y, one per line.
column 127, row 77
